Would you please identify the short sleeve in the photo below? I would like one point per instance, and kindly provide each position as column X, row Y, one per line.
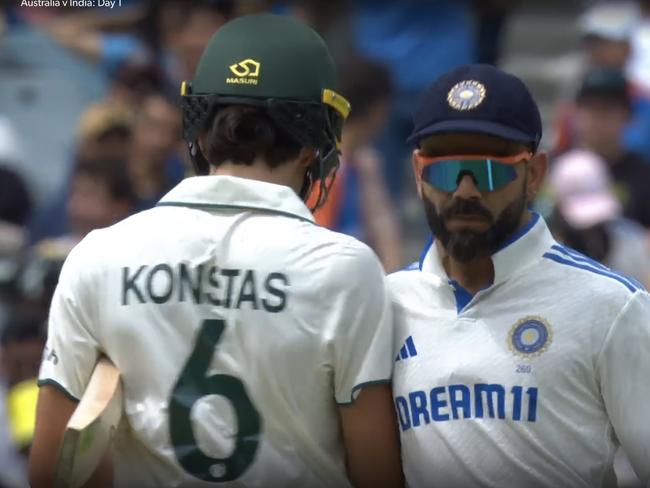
column 72, row 348
column 623, row 366
column 362, row 342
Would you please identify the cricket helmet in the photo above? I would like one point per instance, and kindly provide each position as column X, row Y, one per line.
column 281, row 65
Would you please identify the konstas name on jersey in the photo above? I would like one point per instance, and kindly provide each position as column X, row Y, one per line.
column 222, row 287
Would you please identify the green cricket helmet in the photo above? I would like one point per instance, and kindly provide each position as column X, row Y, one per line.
column 276, row 63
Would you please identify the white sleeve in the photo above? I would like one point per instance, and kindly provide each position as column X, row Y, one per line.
column 72, row 348
column 623, row 367
column 362, row 343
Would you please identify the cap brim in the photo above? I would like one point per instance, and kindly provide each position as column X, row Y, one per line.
column 472, row 127
column 582, row 212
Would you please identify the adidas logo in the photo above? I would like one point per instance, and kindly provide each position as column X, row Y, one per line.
column 407, row 350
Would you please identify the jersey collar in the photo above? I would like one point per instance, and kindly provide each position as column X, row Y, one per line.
column 231, row 192
column 524, row 248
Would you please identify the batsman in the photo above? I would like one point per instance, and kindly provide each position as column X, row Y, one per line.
column 254, row 346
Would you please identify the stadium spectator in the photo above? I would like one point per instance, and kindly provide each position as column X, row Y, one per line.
column 169, row 33
column 101, row 195
column 44, row 89
column 408, row 37
column 638, row 67
column 21, row 347
column 104, row 131
column 154, row 163
column 606, row 29
column 35, row 279
column 359, row 203
column 133, row 82
column 16, row 201
column 588, row 216
column 603, row 108
column 491, row 16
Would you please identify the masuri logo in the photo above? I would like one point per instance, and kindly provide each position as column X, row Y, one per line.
column 247, row 72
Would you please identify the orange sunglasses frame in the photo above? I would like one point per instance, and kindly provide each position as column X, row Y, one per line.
column 422, row 161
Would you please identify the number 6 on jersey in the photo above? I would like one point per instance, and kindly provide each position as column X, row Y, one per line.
column 192, row 385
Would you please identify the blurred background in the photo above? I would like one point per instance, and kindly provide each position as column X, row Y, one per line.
column 90, row 133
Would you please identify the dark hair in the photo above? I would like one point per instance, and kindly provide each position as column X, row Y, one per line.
column 112, row 172
column 594, row 242
column 142, row 78
column 364, row 82
column 15, row 198
column 605, row 84
column 240, row 134
column 22, row 326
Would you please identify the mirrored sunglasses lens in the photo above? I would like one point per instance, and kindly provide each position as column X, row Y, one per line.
column 488, row 174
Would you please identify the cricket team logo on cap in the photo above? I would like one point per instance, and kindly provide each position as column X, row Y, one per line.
column 530, row 336
column 246, row 72
column 466, row 95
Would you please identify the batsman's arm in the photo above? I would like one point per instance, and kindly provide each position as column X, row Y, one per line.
column 53, row 411
column 362, row 356
column 371, row 439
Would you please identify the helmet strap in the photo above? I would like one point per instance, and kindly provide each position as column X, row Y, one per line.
column 199, row 162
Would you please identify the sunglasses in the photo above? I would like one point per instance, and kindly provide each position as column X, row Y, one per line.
column 488, row 172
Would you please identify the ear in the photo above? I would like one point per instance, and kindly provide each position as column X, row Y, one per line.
column 416, row 172
column 537, row 169
column 306, row 157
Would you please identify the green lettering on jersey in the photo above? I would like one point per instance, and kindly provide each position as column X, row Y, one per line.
column 273, row 289
column 230, row 274
column 165, row 273
column 213, row 280
column 192, row 282
column 129, row 284
column 247, row 292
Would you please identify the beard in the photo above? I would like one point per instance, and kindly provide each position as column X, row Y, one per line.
column 467, row 245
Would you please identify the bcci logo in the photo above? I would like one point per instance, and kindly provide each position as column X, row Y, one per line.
column 246, row 72
column 530, row 336
column 466, row 95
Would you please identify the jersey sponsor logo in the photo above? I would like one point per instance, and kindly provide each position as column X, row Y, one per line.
column 462, row 402
column 530, row 336
column 407, row 350
column 466, row 95
column 246, row 72
column 222, row 287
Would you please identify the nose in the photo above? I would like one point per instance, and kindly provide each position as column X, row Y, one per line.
column 467, row 188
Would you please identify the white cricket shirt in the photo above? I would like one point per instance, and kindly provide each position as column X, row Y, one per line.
column 238, row 326
column 530, row 383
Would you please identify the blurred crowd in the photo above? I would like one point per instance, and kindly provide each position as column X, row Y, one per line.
column 90, row 132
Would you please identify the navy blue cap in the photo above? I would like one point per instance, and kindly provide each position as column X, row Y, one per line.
column 478, row 98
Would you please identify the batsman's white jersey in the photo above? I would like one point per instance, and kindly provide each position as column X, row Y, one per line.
column 238, row 326
column 532, row 382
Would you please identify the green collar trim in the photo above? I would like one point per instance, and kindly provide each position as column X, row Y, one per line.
column 205, row 206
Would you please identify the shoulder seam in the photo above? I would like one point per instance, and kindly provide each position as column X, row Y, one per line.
column 611, row 328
